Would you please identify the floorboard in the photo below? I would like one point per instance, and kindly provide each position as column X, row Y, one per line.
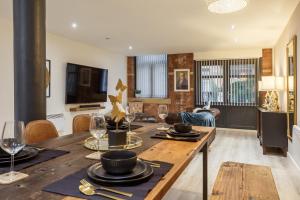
column 238, row 146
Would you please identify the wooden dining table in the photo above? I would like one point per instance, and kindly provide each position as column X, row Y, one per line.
column 176, row 152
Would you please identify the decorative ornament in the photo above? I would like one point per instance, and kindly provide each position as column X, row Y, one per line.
column 118, row 112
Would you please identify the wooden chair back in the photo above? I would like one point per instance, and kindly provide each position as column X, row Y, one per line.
column 136, row 106
column 39, row 131
column 81, row 123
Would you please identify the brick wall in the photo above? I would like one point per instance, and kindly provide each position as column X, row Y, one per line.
column 266, row 69
column 130, row 76
column 179, row 100
column 267, row 63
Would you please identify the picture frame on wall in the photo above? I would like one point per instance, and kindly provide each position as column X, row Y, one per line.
column 182, row 80
column 48, row 78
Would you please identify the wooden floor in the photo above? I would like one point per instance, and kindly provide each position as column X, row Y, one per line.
column 238, row 146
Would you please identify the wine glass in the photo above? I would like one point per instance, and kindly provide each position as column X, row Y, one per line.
column 12, row 141
column 98, row 128
column 163, row 113
column 129, row 116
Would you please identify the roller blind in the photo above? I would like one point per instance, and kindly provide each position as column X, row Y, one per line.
column 227, row 82
column 151, row 76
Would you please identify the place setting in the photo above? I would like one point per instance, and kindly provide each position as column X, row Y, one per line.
column 16, row 155
column 119, row 174
column 180, row 132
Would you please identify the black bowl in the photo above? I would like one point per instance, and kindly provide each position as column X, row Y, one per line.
column 119, row 162
column 182, row 128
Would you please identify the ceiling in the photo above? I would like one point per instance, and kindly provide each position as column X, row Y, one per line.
column 164, row 26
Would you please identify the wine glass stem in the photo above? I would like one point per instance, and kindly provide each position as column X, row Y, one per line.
column 98, row 141
column 12, row 166
column 129, row 124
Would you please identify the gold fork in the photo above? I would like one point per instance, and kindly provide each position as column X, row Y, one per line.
column 88, row 184
column 153, row 164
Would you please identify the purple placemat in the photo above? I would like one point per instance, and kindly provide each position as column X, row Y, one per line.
column 43, row 156
column 69, row 185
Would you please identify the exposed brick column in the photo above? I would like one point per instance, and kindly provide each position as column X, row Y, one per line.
column 180, row 100
column 266, row 69
column 267, row 63
column 130, row 76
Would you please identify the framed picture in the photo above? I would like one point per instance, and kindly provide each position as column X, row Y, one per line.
column 48, row 78
column 182, row 80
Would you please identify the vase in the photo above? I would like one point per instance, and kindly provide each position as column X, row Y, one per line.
column 117, row 138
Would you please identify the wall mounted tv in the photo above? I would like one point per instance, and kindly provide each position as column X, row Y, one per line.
column 85, row 84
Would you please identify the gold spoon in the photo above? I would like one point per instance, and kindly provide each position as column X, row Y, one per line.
column 89, row 192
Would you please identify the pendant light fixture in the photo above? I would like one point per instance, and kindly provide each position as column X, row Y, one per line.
column 226, row 6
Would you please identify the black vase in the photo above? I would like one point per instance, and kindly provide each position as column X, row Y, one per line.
column 117, row 138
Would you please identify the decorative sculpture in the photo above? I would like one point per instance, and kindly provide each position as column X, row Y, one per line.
column 271, row 101
column 118, row 112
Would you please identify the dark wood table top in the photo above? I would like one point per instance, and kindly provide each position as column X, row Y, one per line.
column 40, row 175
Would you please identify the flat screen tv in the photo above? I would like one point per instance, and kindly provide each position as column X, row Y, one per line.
column 85, row 84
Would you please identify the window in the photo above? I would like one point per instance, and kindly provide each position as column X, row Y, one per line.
column 226, row 82
column 151, row 76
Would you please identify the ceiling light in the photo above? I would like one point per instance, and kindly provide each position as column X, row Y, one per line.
column 226, row 6
column 236, row 40
column 232, row 27
column 74, row 25
column 130, row 48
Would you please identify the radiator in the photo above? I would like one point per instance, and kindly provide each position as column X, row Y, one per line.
column 58, row 120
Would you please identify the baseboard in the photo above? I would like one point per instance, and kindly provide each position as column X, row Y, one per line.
column 295, row 163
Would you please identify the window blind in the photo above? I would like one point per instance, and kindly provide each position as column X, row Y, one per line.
column 151, row 76
column 227, row 82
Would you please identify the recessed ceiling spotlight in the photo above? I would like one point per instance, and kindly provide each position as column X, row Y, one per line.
column 74, row 25
column 130, row 48
column 226, row 6
column 232, row 27
column 236, row 40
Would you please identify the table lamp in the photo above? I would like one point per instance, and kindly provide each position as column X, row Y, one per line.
column 271, row 84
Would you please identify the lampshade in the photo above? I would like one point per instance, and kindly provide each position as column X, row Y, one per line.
column 268, row 83
column 291, row 83
column 271, row 83
column 279, row 83
column 226, row 6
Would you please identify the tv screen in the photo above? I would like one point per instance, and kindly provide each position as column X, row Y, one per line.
column 85, row 84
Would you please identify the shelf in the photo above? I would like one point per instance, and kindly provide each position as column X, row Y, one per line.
column 76, row 109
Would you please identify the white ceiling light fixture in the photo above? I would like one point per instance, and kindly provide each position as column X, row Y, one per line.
column 226, row 6
column 74, row 25
column 130, row 47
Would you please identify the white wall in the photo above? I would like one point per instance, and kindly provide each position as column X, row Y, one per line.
column 60, row 51
column 292, row 28
column 228, row 54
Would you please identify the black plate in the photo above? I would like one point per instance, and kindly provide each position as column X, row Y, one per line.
column 139, row 169
column 6, row 156
column 133, row 181
column 28, row 153
column 192, row 133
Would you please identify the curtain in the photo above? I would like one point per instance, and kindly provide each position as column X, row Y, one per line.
column 151, row 76
column 227, row 82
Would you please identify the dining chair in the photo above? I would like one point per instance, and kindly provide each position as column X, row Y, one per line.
column 39, row 131
column 81, row 123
